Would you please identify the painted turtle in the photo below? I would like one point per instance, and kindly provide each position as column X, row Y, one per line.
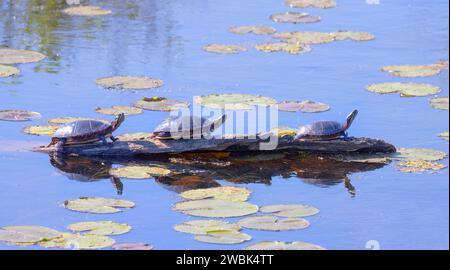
column 85, row 131
column 184, row 126
column 324, row 130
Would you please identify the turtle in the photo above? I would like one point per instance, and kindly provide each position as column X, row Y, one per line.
column 326, row 130
column 185, row 126
column 85, row 131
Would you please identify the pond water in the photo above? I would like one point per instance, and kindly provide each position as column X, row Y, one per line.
column 163, row 39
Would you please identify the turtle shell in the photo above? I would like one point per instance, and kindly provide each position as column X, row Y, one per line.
column 184, row 125
column 321, row 129
column 83, row 130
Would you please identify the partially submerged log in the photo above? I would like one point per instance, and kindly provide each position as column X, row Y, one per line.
column 153, row 146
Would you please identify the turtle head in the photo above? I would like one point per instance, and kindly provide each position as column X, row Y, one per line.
column 348, row 122
column 118, row 121
column 218, row 122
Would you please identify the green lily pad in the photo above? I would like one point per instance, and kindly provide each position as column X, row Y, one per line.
column 6, row 71
column 444, row 135
column 18, row 115
column 294, row 17
column 206, row 227
column 405, row 89
column 303, row 106
column 272, row 223
column 234, row 101
column 227, row 193
column 290, row 210
column 255, row 29
column 304, row 37
column 139, row 172
column 86, row 11
column 116, row 110
column 278, row 245
column 63, row 241
column 413, row 166
column 26, row 234
column 66, row 120
column 136, row 136
column 364, row 158
column 356, row 36
column 97, row 205
column 224, row 48
column 160, row 104
column 311, row 3
column 411, row 71
column 13, row 56
column 129, row 82
column 223, row 238
column 439, row 103
column 100, row 227
column 40, row 130
column 419, row 153
column 78, row 241
column 132, row 246
column 216, row 208
column 291, row 48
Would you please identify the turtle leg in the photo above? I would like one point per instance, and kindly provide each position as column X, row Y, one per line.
column 113, row 138
column 103, row 139
column 346, row 136
column 60, row 145
column 117, row 184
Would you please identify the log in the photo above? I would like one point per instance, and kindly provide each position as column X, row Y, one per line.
column 153, row 146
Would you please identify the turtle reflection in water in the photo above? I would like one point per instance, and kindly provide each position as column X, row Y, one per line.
column 85, row 170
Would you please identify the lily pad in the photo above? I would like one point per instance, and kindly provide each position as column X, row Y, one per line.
column 291, row 48
column 86, row 11
column 444, row 135
column 136, row 136
column 91, row 241
column 129, row 82
column 66, row 120
column 100, row 227
column 223, row 238
column 294, row 17
column 139, row 172
column 63, row 241
column 255, row 29
column 40, row 130
column 272, row 223
column 13, row 56
column 304, row 37
column 206, row 227
column 419, row 153
column 6, row 71
column 439, row 103
column 26, row 234
column 234, row 101
column 412, row 166
column 411, row 71
column 356, row 36
column 311, row 3
column 132, row 246
column 405, row 89
column 283, row 131
column 224, row 48
column 216, row 208
column 97, row 205
column 290, row 210
column 364, row 158
column 303, row 106
column 278, row 245
column 160, row 104
column 18, row 115
column 116, row 110
column 227, row 193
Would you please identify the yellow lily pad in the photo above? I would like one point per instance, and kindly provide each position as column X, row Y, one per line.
column 132, row 246
column 304, row 37
column 97, row 205
column 139, row 172
column 411, row 71
column 6, row 71
column 129, row 82
column 63, row 241
column 67, row 120
column 116, row 110
column 290, row 210
column 160, row 104
column 356, row 36
column 26, row 234
column 224, row 48
column 283, row 131
column 272, row 223
column 100, row 227
column 419, row 153
column 227, row 193
column 444, row 135
column 86, row 11
column 40, row 130
column 412, row 166
column 278, row 245
column 303, row 106
column 291, row 48
column 206, row 227
column 405, row 89
column 255, row 29
column 364, row 158
column 439, row 103
column 311, row 3
column 91, row 241
column 136, row 136
column 13, row 56
column 18, row 115
column 234, row 101
column 216, row 208
column 294, row 17
column 224, row 238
